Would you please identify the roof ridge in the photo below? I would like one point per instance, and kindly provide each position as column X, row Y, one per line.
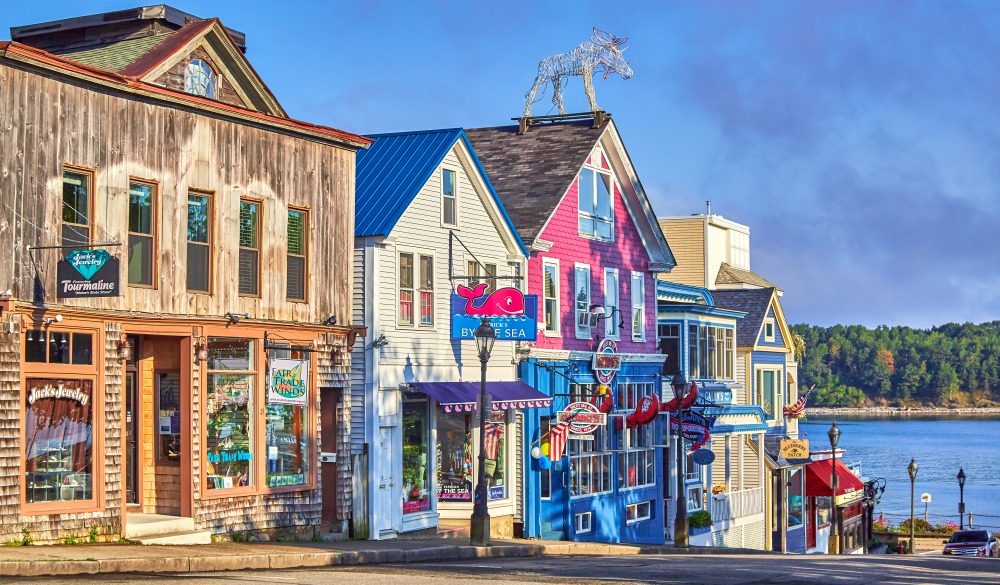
column 168, row 47
column 415, row 132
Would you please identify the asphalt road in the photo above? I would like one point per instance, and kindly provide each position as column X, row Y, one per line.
column 665, row 569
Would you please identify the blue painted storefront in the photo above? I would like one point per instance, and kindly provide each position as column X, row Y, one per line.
column 555, row 518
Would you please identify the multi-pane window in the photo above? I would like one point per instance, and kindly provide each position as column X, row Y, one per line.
column 638, row 512
column 406, row 280
column 638, row 306
column 199, row 242
column 581, row 299
column 611, row 303
column 515, row 272
column 596, row 219
column 141, row 240
column 710, row 352
column 636, row 465
column 76, row 208
column 550, row 294
column 58, row 347
column 491, row 281
column 249, row 248
column 590, row 461
column 670, row 346
column 739, row 250
column 298, row 251
column 199, row 79
column 475, row 270
column 426, row 290
column 449, row 198
column 769, row 392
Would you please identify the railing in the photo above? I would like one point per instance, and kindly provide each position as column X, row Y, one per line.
column 736, row 504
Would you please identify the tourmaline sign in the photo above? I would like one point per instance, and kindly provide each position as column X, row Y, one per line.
column 88, row 273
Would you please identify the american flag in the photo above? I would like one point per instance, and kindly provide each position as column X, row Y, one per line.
column 493, row 434
column 557, row 440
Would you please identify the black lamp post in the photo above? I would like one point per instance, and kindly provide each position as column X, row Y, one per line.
column 479, row 531
column 679, row 385
column 834, row 545
column 912, row 470
column 961, row 499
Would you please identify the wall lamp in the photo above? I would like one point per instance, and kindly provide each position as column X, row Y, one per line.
column 124, row 349
column 330, row 321
column 51, row 320
column 234, row 318
column 201, row 350
column 597, row 313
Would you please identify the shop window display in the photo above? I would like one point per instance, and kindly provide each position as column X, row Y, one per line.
column 496, row 431
column 285, row 429
column 229, row 408
column 168, row 396
column 823, row 508
column 795, row 498
column 454, row 453
column 59, row 440
column 416, row 476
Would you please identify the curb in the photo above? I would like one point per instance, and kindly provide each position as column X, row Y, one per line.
column 205, row 564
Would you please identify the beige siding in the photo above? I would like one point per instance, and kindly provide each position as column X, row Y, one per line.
column 718, row 251
column 687, row 242
column 742, row 396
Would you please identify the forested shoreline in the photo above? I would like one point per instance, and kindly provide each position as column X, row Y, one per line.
column 955, row 365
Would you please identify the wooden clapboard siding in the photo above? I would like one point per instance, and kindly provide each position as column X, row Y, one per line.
column 225, row 92
column 359, row 354
column 48, row 122
column 687, row 242
column 427, row 353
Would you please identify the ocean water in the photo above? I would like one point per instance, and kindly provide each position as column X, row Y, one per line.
column 941, row 446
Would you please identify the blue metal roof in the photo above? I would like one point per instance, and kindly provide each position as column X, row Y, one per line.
column 393, row 170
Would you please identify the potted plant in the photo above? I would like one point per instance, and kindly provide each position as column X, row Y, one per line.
column 699, row 522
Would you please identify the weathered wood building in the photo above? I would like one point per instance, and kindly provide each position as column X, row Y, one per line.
column 174, row 348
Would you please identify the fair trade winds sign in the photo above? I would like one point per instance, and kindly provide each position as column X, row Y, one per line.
column 86, row 274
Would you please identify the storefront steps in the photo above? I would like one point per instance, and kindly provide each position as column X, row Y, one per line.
column 160, row 529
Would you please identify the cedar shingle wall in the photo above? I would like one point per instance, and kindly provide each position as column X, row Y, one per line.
column 10, row 441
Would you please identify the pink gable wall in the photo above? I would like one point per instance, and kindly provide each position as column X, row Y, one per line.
column 626, row 253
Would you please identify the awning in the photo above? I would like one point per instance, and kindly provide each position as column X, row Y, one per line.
column 819, row 481
column 735, row 420
column 462, row 396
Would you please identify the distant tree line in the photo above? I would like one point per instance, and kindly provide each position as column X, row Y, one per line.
column 950, row 365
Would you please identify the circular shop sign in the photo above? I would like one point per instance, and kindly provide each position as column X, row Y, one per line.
column 607, row 347
column 583, row 418
column 703, row 456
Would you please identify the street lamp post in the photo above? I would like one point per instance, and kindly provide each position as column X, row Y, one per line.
column 834, row 545
column 961, row 499
column 679, row 385
column 912, row 470
column 479, row 531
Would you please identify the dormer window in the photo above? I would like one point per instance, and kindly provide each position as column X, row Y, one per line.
column 199, row 79
column 596, row 218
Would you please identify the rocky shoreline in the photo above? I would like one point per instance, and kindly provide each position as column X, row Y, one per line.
column 886, row 411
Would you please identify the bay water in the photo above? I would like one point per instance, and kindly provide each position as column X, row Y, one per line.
column 940, row 445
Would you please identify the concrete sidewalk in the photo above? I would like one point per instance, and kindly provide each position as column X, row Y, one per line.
column 83, row 559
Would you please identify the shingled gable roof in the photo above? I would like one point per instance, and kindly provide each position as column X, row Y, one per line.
column 13, row 51
column 396, row 167
column 533, row 171
column 754, row 302
column 732, row 275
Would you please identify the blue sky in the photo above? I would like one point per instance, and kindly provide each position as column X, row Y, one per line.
column 856, row 138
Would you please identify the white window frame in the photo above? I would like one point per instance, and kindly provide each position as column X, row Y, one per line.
column 769, row 325
column 637, row 442
column 584, row 522
column 581, row 318
column 454, row 197
column 417, row 273
column 777, row 414
column 412, row 290
column 611, row 330
column 640, row 304
column 556, row 321
column 610, row 219
column 636, row 517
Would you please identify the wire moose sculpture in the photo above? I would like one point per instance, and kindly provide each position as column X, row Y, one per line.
column 603, row 50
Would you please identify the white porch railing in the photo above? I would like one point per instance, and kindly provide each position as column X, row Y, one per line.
column 736, row 504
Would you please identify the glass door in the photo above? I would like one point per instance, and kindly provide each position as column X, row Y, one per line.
column 131, row 436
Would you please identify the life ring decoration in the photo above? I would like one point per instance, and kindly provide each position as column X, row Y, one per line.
column 607, row 362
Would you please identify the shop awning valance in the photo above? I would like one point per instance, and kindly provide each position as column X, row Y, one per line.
column 462, row 396
column 819, row 481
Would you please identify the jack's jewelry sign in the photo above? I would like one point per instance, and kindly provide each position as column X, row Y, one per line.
column 88, row 273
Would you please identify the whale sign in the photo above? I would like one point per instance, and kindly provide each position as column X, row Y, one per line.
column 512, row 314
column 86, row 274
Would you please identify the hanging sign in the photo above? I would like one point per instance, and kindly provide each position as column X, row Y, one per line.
column 607, row 361
column 793, row 448
column 512, row 314
column 703, row 456
column 88, row 273
column 583, row 419
column 288, row 382
column 693, row 427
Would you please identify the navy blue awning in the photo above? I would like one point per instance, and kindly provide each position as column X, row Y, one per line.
column 462, row 396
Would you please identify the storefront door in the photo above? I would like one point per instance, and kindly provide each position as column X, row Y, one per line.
column 131, row 437
column 387, row 507
column 811, row 524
